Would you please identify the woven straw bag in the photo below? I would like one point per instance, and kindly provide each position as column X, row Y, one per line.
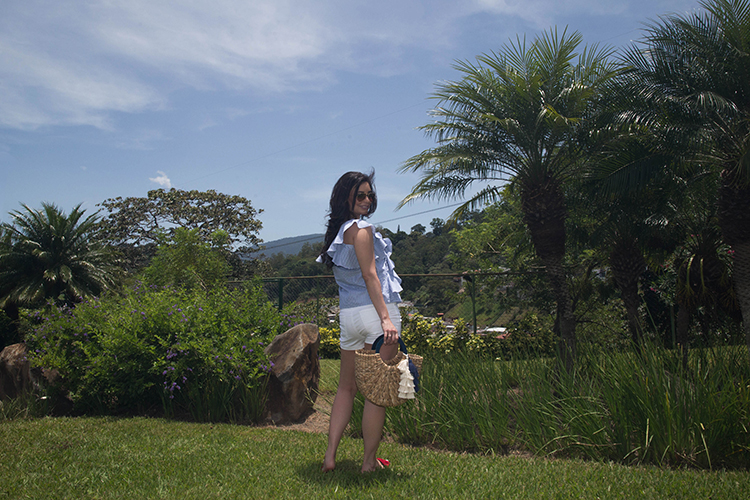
column 379, row 380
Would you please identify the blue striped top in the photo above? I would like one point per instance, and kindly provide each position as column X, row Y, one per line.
column 352, row 288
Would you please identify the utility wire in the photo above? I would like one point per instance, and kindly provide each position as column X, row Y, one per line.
column 315, row 238
column 418, row 213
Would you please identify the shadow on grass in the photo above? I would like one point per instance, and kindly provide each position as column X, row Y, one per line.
column 347, row 474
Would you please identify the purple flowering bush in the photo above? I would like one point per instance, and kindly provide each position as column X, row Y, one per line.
column 194, row 352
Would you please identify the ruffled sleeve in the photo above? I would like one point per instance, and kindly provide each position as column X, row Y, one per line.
column 343, row 255
column 386, row 268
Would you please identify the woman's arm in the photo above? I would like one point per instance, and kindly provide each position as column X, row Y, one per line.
column 364, row 248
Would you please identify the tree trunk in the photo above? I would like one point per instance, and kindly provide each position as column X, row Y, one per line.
column 741, row 278
column 627, row 266
column 683, row 325
column 565, row 317
column 734, row 220
column 544, row 213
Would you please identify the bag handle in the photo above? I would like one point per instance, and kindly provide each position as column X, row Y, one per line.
column 412, row 367
column 379, row 342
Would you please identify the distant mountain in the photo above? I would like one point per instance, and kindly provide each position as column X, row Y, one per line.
column 288, row 246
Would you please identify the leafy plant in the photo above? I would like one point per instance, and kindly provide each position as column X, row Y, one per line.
column 183, row 260
column 190, row 352
column 330, row 346
column 49, row 255
column 418, row 332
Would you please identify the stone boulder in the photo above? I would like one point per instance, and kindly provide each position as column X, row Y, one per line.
column 293, row 386
column 17, row 377
column 15, row 372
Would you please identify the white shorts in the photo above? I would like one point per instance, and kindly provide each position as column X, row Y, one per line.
column 361, row 325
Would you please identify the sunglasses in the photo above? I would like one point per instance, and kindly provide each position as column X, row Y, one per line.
column 362, row 195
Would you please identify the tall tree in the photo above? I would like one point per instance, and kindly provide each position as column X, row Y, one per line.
column 515, row 116
column 633, row 195
column 693, row 74
column 144, row 220
column 703, row 278
column 184, row 261
column 47, row 254
column 135, row 224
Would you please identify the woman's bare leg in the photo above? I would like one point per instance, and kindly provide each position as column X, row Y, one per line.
column 373, row 419
column 341, row 411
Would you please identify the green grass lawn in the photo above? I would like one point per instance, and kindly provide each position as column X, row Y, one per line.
column 154, row 458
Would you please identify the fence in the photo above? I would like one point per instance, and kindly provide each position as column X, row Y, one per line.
column 483, row 299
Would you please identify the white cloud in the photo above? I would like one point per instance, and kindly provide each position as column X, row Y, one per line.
column 75, row 63
column 66, row 62
column 51, row 73
column 142, row 139
column 259, row 43
column 542, row 13
column 161, row 180
column 206, row 124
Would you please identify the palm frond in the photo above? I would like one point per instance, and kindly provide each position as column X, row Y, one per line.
column 48, row 254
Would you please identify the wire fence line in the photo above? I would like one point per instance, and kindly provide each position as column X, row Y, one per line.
column 476, row 297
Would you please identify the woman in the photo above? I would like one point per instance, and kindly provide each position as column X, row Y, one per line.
column 368, row 296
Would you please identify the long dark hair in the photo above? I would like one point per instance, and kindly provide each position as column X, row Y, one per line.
column 340, row 208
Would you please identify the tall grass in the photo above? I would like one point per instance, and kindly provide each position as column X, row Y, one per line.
column 624, row 407
column 27, row 405
column 665, row 414
column 463, row 405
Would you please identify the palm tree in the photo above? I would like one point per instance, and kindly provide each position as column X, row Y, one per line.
column 49, row 255
column 634, row 194
column 515, row 116
column 703, row 277
column 693, row 73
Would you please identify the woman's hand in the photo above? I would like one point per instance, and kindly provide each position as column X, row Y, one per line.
column 390, row 334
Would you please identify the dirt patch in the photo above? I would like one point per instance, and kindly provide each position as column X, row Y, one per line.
column 318, row 420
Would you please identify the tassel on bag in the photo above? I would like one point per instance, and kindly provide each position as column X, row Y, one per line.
column 406, row 386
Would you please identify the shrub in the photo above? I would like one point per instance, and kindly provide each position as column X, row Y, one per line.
column 452, row 340
column 330, row 346
column 420, row 333
column 8, row 334
column 531, row 336
column 186, row 351
column 605, row 329
column 528, row 337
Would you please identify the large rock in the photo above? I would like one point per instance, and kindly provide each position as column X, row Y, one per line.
column 17, row 376
column 293, row 386
column 15, row 371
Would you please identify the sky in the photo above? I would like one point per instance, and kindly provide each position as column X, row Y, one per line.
column 271, row 100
